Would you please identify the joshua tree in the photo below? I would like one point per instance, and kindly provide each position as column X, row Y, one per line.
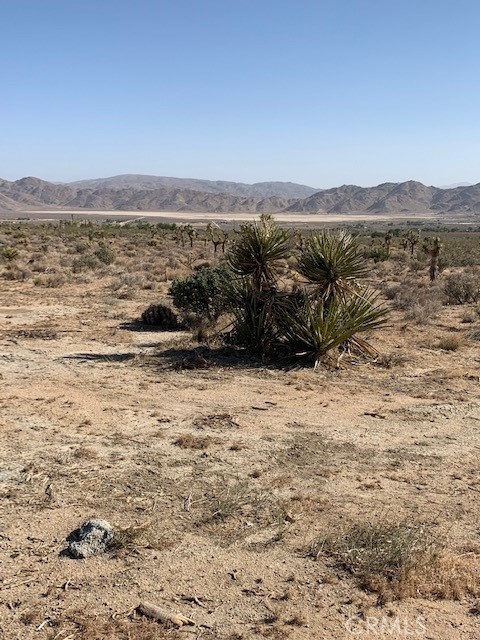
column 432, row 247
column 413, row 238
column 387, row 241
column 191, row 233
column 180, row 234
column 224, row 240
column 299, row 239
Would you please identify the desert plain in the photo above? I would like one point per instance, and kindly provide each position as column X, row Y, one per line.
column 257, row 499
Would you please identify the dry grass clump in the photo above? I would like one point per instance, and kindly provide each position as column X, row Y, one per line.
column 451, row 343
column 131, row 536
column 80, row 627
column 189, row 441
column 400, row 560
column 85, row 453
column 232, row 507
column 50, row 280
column 474, row 334
column 14, row 273
column 37, row 334
column 216, row 421
column 468, row 317
column 390, row 360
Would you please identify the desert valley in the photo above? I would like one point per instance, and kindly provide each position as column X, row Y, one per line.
column 249, row 496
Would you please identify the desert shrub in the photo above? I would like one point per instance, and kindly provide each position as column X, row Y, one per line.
column 474, row 334
column 9, row 253
column 49, row 280
column 105, row 254
column 203, row 293
column 469, row 317
column 377, row 254
column 451, row 343
column 422, row 312
column 160, row 316
column 80, row 247
column 420, row 303
column 391, row 292
column 16, row 273
column 85, row 263
column 417, row 264
column 462, row 288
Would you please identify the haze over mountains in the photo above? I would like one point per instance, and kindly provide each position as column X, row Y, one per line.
column 141, row 182
column 154, row 193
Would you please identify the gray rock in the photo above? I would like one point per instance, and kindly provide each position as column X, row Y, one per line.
column 91, row 539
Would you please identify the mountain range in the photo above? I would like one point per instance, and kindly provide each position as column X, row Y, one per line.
column 152, row 193
column 256, row 190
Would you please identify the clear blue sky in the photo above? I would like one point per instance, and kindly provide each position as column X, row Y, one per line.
column 321, row 92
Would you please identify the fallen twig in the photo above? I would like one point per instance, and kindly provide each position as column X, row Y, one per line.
column 163, row 615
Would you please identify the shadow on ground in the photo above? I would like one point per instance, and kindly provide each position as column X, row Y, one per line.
column 102, row 357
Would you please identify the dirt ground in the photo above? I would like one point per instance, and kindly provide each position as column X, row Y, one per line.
column 222, row 478
column 298, row 219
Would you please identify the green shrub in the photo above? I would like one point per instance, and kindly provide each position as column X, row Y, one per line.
column 9, row 253
column 104, row 254
column 84, row 263
column 377, row 254
column 204, row 293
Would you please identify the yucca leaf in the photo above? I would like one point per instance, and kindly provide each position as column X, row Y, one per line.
column 312, row 327
column 332, row 261
column 257, row 251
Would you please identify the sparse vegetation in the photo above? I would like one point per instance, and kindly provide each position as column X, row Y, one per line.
column 398, row 560
column 217, row 468
column 463, row 288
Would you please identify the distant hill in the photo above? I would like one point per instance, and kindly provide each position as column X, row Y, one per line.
column 389, row 198
column 403, row 197
column 143, row 183
column 456, row 184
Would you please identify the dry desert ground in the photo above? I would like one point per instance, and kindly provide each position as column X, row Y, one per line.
column 257, row 500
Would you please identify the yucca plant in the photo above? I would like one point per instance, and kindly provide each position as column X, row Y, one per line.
column 255, row 320
column 257, row 251
column 333, row 262
column 312, row 328
column 253, row 260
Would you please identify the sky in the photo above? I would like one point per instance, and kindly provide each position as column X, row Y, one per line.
column 324, row 92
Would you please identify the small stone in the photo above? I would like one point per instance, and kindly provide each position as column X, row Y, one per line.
column 91, row 539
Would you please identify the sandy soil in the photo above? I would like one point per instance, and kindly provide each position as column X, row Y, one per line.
column 92, row 418
column 187, row 216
